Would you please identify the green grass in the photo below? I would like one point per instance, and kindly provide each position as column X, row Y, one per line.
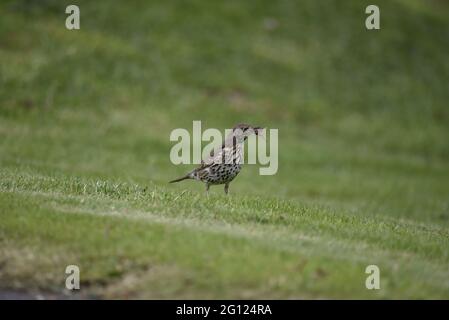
column 85, row 118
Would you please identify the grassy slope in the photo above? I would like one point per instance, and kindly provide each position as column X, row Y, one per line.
column 363, row 177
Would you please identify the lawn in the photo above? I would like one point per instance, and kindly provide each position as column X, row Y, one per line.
column 363, row 119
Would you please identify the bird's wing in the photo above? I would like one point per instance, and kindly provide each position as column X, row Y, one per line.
column 208, row 163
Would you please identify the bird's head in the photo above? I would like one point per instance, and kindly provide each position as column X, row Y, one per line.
column 242, row 131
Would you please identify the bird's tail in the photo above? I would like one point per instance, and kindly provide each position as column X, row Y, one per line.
column 187, row 176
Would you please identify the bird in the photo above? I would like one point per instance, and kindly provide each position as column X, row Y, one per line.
column 224, row 163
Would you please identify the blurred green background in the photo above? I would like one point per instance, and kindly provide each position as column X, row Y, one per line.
column 363, row 125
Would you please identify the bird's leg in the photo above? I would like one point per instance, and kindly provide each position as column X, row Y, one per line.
column 226, row 188
column 207, row 188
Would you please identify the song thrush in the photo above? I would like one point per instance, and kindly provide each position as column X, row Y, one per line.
column 225, row 162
